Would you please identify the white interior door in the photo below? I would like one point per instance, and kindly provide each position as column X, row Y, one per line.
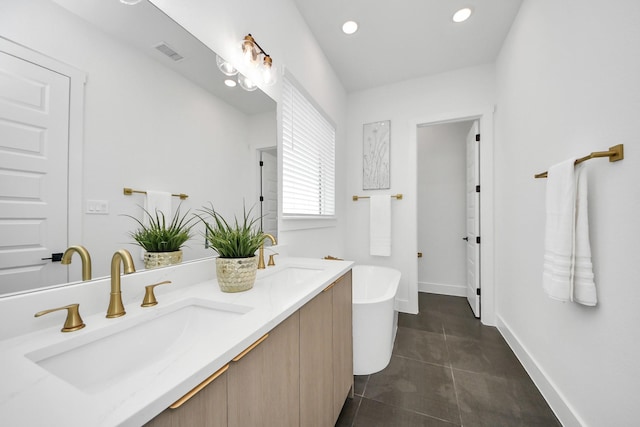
column 269, row 191
column 34, row 132
column 473, row 218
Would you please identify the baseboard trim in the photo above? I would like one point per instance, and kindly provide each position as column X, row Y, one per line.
column 438, row 288
column 556, row 400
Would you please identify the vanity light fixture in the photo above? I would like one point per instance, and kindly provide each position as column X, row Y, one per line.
column 255, row 56
column 350, row 27
column 462, row 15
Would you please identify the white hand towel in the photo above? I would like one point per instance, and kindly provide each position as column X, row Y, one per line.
column 157, row 201
column 558, row 254
column 584, row 287
column 380, row 225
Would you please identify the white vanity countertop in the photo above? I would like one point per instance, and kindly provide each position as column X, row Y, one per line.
column 32, row 396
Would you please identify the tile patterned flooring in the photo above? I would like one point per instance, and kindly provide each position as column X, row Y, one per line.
column 447, row 369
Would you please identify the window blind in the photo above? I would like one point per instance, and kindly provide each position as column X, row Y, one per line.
column 308, row 173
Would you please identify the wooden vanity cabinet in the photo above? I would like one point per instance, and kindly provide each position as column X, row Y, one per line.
column 299, row 375
column 207, row 408
column 326, row 354
column 342, row 343
column 316, row 361
column 262, row 387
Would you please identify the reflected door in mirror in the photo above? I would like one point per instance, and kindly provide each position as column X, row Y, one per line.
column 269, row 190
column 34, row 130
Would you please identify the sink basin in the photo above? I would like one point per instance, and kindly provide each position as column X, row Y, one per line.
column 98, row 360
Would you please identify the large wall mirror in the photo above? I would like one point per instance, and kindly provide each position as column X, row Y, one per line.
column 149, row 122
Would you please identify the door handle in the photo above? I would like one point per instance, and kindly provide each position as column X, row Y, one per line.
column 57, row 257
column 465, row 238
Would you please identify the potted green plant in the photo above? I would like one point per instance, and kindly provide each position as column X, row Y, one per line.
column 162, row 241
column 236, row 244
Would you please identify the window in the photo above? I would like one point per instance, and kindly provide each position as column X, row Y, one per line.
column 308, row 157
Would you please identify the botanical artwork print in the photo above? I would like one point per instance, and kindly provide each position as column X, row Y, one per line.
column 375, row 156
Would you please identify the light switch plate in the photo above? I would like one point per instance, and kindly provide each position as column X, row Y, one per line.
column 98, row 207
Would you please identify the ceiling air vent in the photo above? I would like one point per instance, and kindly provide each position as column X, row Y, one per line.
column 168, row 51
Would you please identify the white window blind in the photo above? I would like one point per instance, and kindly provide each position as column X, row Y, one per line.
column 308, row 173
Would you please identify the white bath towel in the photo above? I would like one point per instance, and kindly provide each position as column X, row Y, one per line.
column 558, row 247
column 157, row 201
column 567, row 272
column 380, row 225
column 584, row 287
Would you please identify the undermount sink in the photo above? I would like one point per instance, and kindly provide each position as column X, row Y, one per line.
column 98, row 360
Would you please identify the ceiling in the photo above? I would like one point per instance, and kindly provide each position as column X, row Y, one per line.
column 404, row 39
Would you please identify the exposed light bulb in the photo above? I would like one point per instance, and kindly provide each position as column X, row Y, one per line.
column 350, row 27
column 246, row 83
column 130, row 2
column 269, row 74
column 230, row 83
column 462, row 15
column 249, row 51
column 225, row 67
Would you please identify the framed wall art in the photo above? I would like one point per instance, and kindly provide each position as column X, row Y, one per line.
column 375, row 155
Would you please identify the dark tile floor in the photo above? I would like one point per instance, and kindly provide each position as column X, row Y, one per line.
column 447, row 369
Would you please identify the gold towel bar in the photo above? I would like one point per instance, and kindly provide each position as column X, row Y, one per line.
column 130, row 191
column 614, row 154
column 397, row 196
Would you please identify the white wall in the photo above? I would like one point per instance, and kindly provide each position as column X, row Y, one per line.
column 568, row 85
column 280, row 29
column 406, row 104
column 145, row 127
column 442, row 173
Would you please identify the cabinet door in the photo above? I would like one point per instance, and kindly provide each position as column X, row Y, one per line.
column 342, row 343
column 316, row 362
column 281, row 368
column 207, row 408
column 263, row 384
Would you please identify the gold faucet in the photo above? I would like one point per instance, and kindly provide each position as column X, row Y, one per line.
column 116, row 308
column 261, row 253
column 73, row 321
column 84, row 256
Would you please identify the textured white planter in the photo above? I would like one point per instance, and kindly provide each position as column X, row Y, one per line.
column 161, row 259
column 236, row 274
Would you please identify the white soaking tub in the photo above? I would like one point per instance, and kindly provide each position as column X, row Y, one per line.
column 374, row 317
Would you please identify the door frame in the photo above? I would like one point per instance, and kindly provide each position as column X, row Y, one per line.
column 77, row 81
column 485, row 117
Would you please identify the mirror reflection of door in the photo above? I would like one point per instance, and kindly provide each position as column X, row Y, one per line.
column 269, row 190
column 34, row 131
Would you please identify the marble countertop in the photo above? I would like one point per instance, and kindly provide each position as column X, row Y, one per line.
column 32, row 396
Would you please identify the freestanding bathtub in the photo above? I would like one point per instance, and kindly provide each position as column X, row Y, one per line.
column 374, row 317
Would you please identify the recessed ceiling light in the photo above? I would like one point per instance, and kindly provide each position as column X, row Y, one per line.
column 230, row 83
column 350, row 27
column 462, row 15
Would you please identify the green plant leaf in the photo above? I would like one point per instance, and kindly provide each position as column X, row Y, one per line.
column 156, row 236
column 240, row 240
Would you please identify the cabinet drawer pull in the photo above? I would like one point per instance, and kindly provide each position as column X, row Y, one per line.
column 178, row 403
column 330, row 286
column 248, row 349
